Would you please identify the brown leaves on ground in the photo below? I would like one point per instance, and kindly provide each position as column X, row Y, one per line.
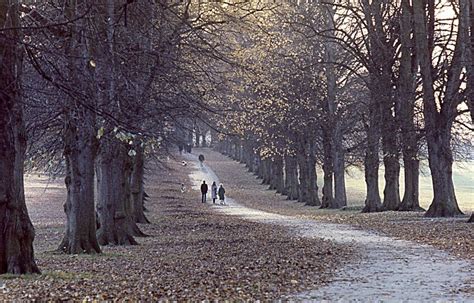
column 193, row 253
column 451, row 234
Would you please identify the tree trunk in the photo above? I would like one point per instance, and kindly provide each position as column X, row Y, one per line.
column 136, row 184
column 260, row 170
column 248, row 156
column 16, row 230
column 113, row 194
column 328, row 162
column 441, row 162
column 267, row 171
column 301, row 157
column 241, row 152
column 331, row 123
column 380, row 79
column 410, row 200
column 313, row 198
column 340, row 197
column 470, row 60
column 291, row 177
column 391, row 193
column 371, row 163
column 277, row 174
column 79, row 150
column 406, row 94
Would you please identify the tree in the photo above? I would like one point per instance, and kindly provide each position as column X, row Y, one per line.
column 439, row 119
column 16, row 230
column 406, row 104
column 79, row 137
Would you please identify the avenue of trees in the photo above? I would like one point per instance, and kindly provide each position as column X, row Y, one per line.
column 93, row 90
column 365, row 83
column 90, row 90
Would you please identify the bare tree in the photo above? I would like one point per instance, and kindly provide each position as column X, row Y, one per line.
column 406, row 104
column 79, row 137
column 17, row 233
column 439, row 119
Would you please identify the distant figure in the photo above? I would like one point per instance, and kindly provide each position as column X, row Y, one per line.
column 201, row 160
column 221, row 193
column 183, row 189
column 214, row 192
column 180, row 148
column 203, row 191
column 188, row 148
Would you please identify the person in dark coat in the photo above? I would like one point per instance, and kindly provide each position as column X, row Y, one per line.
column 204, row 191
column 221, row 193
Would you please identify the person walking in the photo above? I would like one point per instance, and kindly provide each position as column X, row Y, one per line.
column 203, row 191
column 214, row 192
column 201, row 161
column 221, row 193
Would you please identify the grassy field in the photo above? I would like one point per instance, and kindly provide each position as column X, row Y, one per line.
column 463, row 176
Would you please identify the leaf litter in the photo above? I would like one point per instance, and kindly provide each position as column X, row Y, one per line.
column 194, row 253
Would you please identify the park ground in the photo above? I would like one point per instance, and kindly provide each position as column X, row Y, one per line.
column 450, row 234
column 196, row 252
column 192, row 252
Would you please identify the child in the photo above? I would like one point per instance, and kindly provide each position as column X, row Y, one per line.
column 221, row 193
column 214, row 192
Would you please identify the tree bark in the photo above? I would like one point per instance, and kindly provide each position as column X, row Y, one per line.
column 441, row 162
column 259, row 171
column 328, row 168
column 16, row 230
column 313, row 198
column 291, row 177
column 79, row 149
column 267, row 171
column 470, row 58
column 329, row 109
column 301, row 157
column 410, row 200
column 248, row 156
column 277, row 174
column 113, row 167
column 136, row 184
column 379, row 75
column 340, row 197
column 391, row 193
column 371, row 163
column 406, row 94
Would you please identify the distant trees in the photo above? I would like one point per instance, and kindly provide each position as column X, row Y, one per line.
column 359, row 67
column 295, row 111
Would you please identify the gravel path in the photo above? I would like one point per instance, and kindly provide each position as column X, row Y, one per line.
column 389, row 270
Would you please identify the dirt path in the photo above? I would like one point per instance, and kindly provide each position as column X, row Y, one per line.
column 390, row 269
